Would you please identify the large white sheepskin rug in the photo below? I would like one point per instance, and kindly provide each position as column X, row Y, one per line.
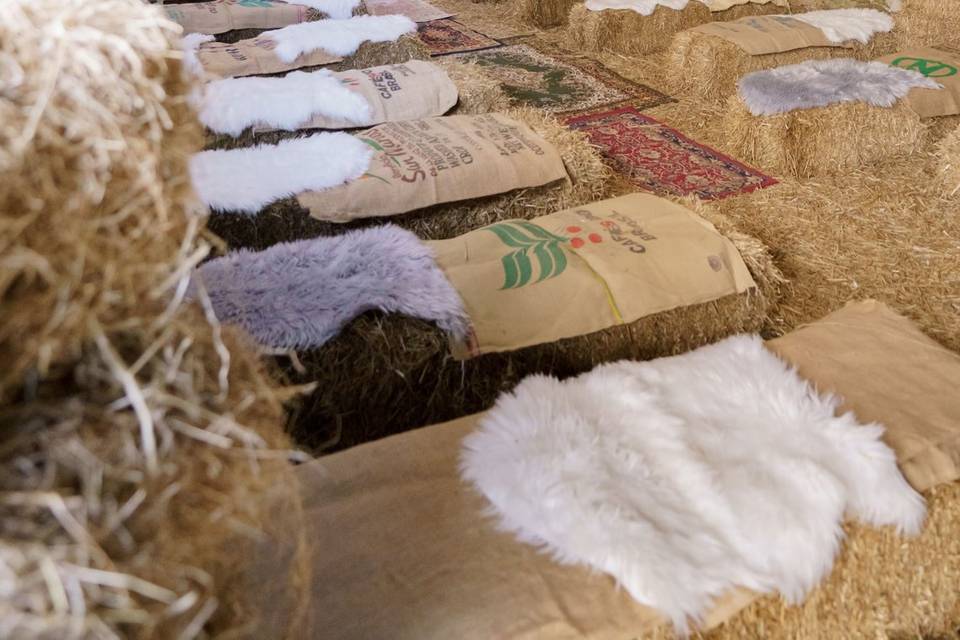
column 684, row 477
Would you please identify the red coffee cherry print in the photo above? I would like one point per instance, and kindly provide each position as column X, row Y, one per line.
column 574, row 229
column 576, row 243
column 595, row 238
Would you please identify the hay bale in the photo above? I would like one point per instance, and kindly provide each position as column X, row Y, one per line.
column 929, row 22
column 590, row 180
column 544, row 13
column 827, row 140
column 882, row 586
column 478, row 91
column 136, row 431
column 948, row 157
column 628, row 33
column 374, row 54
column 706, row 67
column 387, row 374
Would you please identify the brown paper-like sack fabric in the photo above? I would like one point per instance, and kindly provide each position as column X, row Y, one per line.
column 408, row 91
column 759, row 35
column 254, row 57
column 221, row 16
column 403, row 549
column 582, row 270
column 938, row 63
column 419, row 163
column 887, row 371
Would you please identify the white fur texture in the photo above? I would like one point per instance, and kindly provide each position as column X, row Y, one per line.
column 336, row 9
column 191, row 42
column 687, row 476
column 248, row 179
column 844, row 25
column 820, row 83
column 643, row 7
column 232, row 105
column 339, row 37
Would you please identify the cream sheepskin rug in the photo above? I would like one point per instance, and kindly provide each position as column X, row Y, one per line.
column 643, row 7
column 339, row 37
column 281, row 103
column 248, row 179
column 684, row 477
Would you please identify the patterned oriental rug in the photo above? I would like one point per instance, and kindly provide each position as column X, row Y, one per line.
column 662, row 160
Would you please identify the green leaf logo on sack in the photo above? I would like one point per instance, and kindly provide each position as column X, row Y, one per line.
column 546, row 248
column 929, row 68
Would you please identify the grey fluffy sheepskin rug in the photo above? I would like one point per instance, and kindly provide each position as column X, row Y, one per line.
column 819, row 83
column 300, row 294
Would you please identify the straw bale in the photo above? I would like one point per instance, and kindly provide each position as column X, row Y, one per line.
column 478, row 91
column 929, row 22
column 135, row 430
column 590, row 180
column 948, row 156
column 834, row 139
column 628, row 33
column 882, row 586
column 236, row 35
column 373, row 54
column 707, row 67
column 544, row 13
column 387, row 374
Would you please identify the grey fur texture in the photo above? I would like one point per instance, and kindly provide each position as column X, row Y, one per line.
column 819, row 83
column 300, row 294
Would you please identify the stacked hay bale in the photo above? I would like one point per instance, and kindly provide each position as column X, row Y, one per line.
column 589, row 180
column 796, row 120
column 707, row 67
column 630, row 33
column 386, row 374
column 136, row 430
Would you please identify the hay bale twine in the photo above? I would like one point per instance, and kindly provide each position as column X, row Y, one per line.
column 136, row 430
column 629, row 33
column 590, row 180
column 826, row 140
column 948, row 159
column 387, row 374
column 707, row 67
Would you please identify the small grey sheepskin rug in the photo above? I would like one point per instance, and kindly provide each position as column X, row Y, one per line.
column 820, row 83
column 298, row 295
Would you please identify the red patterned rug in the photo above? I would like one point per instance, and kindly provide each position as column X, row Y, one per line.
column 662, row 160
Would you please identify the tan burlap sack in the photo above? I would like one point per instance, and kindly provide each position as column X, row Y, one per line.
column 221, row 16
column 419, row 163
column 939, row 63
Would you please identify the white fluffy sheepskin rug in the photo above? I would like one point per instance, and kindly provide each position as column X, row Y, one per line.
column 684, row 477
column 845, row 25
column 248, row 179
column 339, row 37
column 282, row 103
column 643, row 7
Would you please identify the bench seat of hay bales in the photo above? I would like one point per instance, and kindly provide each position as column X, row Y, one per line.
column 398, row 507
column 531, row 303
column 706, row 62
column 792, row 120
column 948, row 156
column 355, row 43
column 353, row 99
column 632, row 33
column 588, row 179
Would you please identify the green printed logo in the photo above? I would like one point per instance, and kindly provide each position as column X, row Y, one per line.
column 929, row 68
column 533, row 241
